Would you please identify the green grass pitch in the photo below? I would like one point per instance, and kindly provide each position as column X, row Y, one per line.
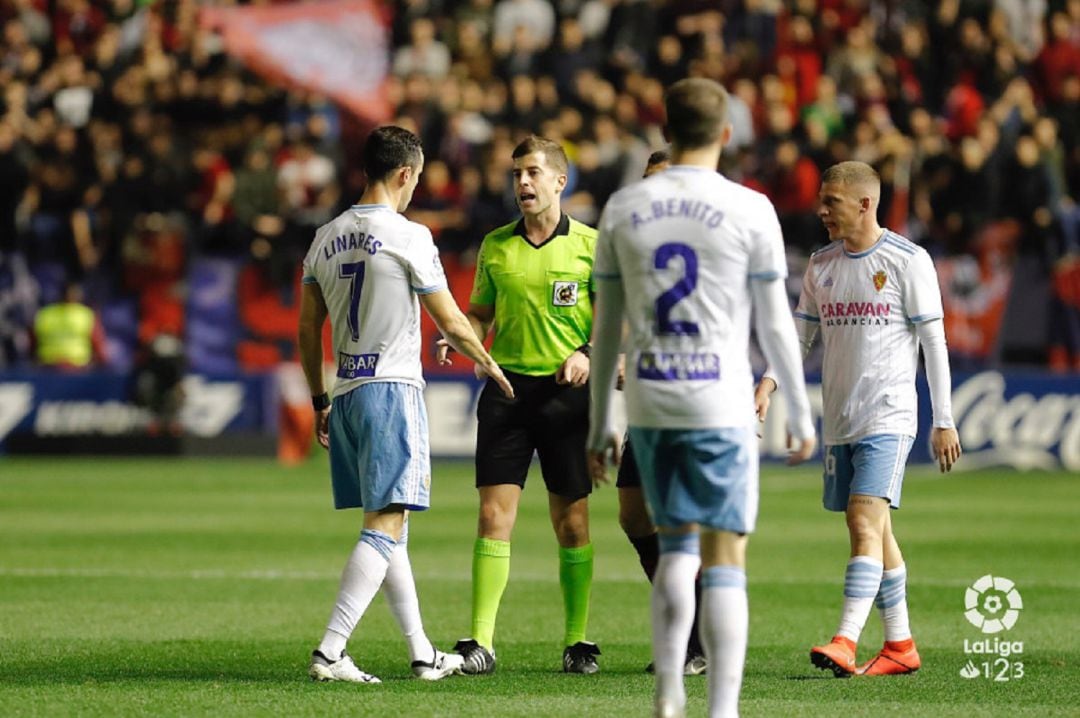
column 198, row 587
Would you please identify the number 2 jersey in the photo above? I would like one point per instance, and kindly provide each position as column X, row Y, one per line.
column 685, row 244
column 370, row 264
column 867, row 305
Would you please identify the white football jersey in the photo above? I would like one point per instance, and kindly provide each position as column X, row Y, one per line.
column 685, row 244
column 371, row 263
column 867, row 305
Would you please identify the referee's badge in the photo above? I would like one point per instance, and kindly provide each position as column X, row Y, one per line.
column 564, row 294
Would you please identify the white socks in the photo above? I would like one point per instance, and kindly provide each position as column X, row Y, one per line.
column 861, row 583
column 891, row 600
column 725, row 621
column 400, row 589
column 364, row 573
column 673, row 614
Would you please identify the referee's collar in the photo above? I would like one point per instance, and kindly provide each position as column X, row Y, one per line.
column 563, row 227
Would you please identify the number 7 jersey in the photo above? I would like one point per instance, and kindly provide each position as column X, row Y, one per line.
column 370, row 264
column 685, row 244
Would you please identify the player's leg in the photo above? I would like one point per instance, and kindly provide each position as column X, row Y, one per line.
column 559, row 428
column 360, row 581
column 725, row 617
column 379, row 462
column 428, row 663
column 899, row 654
column 503, row 452
column 870, row 473
column 636, row 523
column 724, row 472
column 633, row 515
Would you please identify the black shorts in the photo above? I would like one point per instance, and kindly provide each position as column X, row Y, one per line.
column 546, row 417
column 628, row 477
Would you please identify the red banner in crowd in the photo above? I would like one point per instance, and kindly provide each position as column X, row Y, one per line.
column 339, row 48
column 975, row 289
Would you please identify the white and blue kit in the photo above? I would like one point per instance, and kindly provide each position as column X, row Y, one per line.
column 872, row 308
column 687, row 252
column 370, row 264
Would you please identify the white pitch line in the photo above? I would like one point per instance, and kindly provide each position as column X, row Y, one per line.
column 217, row 574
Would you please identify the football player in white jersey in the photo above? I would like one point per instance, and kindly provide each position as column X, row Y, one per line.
column 875, row 297
column 683, row 255
column 368, row 270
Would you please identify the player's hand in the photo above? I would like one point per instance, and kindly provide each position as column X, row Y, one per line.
column 945, row 446
column 442, row 352
column 799, row 450
column 597, row 461
column 322, row 427
column 763, row 397
column 574, row 371
column 620, row 376
column 497, row 376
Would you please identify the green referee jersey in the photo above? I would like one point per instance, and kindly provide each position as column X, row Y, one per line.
column 542, row 295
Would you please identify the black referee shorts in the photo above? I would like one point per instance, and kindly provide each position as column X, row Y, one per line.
column 544, row 416
column 628, row 477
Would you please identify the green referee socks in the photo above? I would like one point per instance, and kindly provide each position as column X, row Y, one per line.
column 575, row 577
column 490, row 572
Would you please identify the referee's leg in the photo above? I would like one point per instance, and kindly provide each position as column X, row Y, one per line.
column 561, row 426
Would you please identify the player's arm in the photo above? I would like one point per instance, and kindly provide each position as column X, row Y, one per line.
column 463, row 334
column 944, row 439
column 776, row 332
column 313, row 314
column 922, row 306
column 806, row 327
column 606, row 344
column 806, row 330
column 480, row 318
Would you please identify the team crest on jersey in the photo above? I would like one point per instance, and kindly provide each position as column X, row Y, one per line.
column 879, row 279
column 564, row 294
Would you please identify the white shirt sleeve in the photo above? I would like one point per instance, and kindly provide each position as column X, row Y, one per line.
column 422, row 261
column 309, row 262
column 776, row 332
column 932, row 336
column 767, row 258
column 920, row 290
column 605, row 264
column 807, row 308
column 606, row 341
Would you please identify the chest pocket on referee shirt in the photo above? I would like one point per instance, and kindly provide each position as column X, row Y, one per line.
column 566, row 290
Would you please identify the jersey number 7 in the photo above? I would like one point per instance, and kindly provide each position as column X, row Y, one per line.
column 354, row 272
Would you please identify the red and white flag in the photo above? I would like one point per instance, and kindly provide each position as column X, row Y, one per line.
column 339, row 48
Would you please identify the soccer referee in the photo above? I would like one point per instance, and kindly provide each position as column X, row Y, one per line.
column 534, row 285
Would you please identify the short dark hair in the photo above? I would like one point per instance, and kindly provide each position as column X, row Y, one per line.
column 552, row 151
column 696, row 112
column 658, row 157
column 852, row 173
column 388, row 148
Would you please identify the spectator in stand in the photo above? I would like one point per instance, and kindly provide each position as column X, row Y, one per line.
column 67, row 334
column 424, row 54
column 111, row 110
column 535, row 17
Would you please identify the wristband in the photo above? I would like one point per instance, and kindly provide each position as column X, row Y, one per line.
column 321, row 402
column 585, row 349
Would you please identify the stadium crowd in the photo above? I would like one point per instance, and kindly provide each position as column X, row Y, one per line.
column 132, row 148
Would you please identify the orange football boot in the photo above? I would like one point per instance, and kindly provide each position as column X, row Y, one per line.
column 837, row 656
column 896, row 658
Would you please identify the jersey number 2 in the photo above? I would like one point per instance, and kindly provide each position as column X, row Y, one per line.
column 354, row 271
column 667, row 301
